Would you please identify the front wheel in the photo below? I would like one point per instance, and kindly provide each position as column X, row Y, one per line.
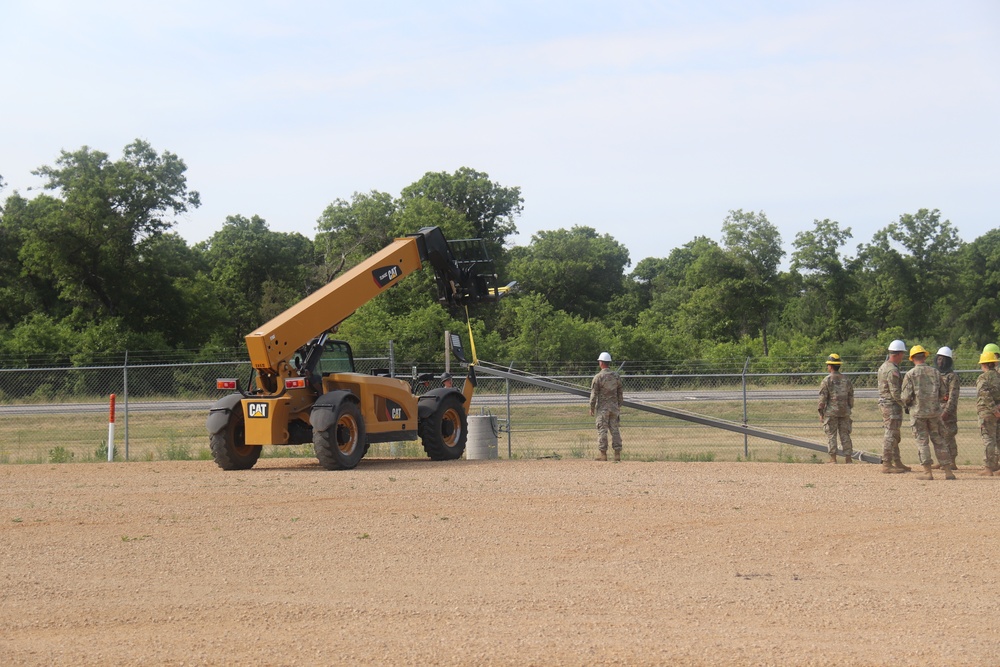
column 229, row 448
column 445, row 431
column 341, row 446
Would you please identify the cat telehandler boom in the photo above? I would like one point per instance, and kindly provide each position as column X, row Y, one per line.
column 304, row 387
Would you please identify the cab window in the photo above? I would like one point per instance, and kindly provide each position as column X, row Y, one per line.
column 337, row 358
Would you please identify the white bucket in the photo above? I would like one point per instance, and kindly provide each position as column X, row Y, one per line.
column 482, row 440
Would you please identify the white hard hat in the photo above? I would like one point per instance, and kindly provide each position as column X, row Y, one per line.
column 897, row 346
column 604, row 357
column 944, row 352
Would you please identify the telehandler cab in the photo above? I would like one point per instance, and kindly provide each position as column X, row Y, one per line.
column 304, row 387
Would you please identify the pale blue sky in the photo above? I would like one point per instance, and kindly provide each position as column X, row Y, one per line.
column 645, row 120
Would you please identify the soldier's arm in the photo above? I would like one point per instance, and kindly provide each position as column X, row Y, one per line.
column 824, row 396
column 993, row 393
column 621, row 393
column 954, row 388
column 906, row 395
column 593, row 394
column 850, row 395
column 895, row 390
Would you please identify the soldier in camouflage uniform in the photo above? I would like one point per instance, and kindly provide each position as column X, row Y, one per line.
column 988, row 407
column 606, row 404
column 922, row 395
column 889, row 402
column 836, row 400
column 949, row 408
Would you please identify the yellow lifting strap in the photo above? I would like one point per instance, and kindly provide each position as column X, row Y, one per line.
column 472, row 342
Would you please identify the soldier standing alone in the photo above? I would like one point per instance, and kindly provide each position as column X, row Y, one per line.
column 606, row 404
column 889, row 388
column 922, row 395
column 836, row 400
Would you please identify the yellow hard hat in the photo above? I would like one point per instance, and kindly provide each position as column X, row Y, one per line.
column 833, row 360
column 917, row 349
column 987, row 358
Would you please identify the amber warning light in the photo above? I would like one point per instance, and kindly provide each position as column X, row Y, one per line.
column 225, row 383
column 295, row 383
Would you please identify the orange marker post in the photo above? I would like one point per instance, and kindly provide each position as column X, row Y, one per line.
column 111, row 431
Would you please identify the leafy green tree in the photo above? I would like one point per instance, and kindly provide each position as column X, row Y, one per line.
column 88, row 239
column 825, row 302
column 174, row 278
column 538, row 332
column 668, row 281
column 489, row 206
column 258, row 273
column 351, row 231
column 756, row 245
column 909, row 270
column 712, row 300
column 978, row 294
column 578, row 271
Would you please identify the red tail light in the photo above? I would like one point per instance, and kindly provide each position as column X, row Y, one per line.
column 295, row 383
column 225, row 383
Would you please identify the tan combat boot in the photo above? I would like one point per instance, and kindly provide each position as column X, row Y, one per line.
column 898, row 464
column 985, row 472
column 948, row 474
column 889, row 469
column 618, row 455
column 602, row 456
column 848, row 459
column 928, row 475
column 833, row 458
column 936, row 466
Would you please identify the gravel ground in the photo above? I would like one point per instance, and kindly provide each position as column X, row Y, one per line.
column 544, row 562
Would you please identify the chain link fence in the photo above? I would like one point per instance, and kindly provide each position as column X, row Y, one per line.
column 60, row 414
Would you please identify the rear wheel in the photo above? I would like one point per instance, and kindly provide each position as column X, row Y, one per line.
column 444, row 433
column 342, row 445
column 229, row 448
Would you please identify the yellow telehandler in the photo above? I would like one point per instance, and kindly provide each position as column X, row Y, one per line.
column 304, row 386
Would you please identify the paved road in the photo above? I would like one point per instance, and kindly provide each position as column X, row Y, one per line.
column 480, row 399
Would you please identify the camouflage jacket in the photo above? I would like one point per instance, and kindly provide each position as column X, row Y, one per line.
column 952, row 387
column 987, row 393
column 889, row 384
column 836, row 396
column 606, row 391
column 923, row 392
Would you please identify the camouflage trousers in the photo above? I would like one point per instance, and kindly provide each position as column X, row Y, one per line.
column 892, row 421
column 607, row 422
column 838, row 426
column 949, row 429
column 927, row 430
column 989, row 427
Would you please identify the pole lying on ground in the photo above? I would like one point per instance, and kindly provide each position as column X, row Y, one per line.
column 676, row 414
column 111, row 431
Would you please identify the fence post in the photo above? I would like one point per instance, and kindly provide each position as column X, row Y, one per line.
column 509, row 450
column 392, row 359
column 111, row 429
column 125, row 398
column 746, row 444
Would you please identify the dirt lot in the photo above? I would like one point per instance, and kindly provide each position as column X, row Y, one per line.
column 542, row 562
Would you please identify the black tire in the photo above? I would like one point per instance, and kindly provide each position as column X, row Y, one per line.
column 229, row 448
column 444, row 433
column 343, row 445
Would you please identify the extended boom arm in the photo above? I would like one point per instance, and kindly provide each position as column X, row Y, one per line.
column 460, row 280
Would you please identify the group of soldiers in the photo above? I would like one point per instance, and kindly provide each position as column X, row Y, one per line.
column 929, row 395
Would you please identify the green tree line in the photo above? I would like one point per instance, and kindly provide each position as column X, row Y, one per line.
column 91, row 266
